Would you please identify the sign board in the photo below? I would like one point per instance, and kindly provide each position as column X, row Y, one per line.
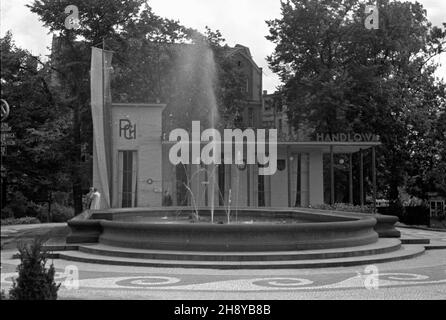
column 347, row 137
column 7, row 137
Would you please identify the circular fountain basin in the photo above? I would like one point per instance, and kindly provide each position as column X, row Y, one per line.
column 249, row 229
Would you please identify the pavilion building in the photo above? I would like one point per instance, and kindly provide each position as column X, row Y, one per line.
column 131, row 154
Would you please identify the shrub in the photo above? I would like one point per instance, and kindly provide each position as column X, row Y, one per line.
column 34, row 282
column 344, row 207
column 19, row 206
column 61, row 213
column 61, row 197
column 416, row 215
column 7, row 213
column 24, row 220
column 3, row 295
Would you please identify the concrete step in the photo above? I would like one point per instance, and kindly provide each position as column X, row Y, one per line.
column 415, row 241
column 382, row 246
column 436, row 245
column 405, row 252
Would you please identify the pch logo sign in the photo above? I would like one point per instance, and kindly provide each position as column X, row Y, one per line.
column 127, row 129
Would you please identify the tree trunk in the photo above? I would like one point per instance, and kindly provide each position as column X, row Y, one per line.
column 76, row 161
column 395, row 178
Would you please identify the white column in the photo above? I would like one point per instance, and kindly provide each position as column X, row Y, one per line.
column 304, row 180
column 316, row 178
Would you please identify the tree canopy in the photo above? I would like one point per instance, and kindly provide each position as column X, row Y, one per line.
column 339, row 76
column 53, row 97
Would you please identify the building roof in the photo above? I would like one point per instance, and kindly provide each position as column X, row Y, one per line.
column 245, row 52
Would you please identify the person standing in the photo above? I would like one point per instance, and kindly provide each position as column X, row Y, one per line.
column 167, row 199
column 89, row 198
column 95, row 200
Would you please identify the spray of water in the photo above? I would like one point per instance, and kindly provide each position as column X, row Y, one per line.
column 210, row 82
column 196, row 81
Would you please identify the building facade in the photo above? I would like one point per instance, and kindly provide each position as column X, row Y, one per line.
column 133, row 147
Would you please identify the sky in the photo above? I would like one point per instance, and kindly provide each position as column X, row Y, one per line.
column 240, row 22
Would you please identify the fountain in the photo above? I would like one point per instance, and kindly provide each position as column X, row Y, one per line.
column 209, row 237
column 259, row 238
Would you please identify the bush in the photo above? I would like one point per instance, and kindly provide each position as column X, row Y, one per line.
column 345, row 207
column 7, row 213
column 61, row 213
column 24, row 220
column 20, row 206
column 3, row 295
column 34, row 282
column 410, row 215
column 416, row 215
column 62, row 198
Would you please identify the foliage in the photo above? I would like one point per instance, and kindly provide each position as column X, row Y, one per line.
column 23, row 220
column 340, row 77
column 35, row 164
column 61, row 213
column 429, row 172
column 145, row 49
column 344, row 207
column 20, row 206
column 34, row 281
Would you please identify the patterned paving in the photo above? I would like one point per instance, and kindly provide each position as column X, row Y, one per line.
column 369, row 277
column 420, row 278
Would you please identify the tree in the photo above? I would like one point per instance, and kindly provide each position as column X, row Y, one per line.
column 109, row 22
column 34, row 282
column 339, row 76
column 145, row 47
column 35, row 165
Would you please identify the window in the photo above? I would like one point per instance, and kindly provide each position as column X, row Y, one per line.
column 221, row 184
column 244, row 85
column 281, row 164
column 181, row 183
column 250, row 117
column 127, row 179
column 436, row 207
column 261, row 188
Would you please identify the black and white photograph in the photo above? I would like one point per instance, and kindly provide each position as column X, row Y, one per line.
column 218, row 156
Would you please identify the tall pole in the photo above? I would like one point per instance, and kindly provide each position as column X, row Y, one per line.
column 106, row 119
column 374, row 177
column 350, row 178
column 288, row 155
column 361, row 177
column 103, row 73
column 332, row 193
column 248, row 183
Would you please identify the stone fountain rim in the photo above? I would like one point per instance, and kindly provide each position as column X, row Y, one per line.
column 355, row 220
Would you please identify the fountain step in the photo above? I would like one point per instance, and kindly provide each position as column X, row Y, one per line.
column 382, row 246
column 405, row 252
